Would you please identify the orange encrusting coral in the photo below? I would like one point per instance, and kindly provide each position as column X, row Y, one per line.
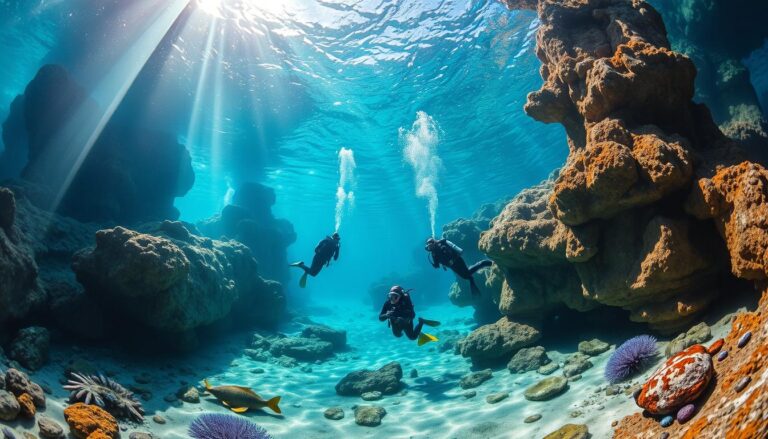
column 91, row 422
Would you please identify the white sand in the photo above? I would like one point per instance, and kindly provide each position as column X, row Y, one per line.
column 433, row 405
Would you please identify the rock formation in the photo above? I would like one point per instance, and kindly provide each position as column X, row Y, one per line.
column 114, row 182
column 652, row 176
column 249, row 219
column 167, row 279
column 613, row 225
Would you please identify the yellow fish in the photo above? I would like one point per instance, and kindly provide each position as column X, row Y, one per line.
column 240, row 399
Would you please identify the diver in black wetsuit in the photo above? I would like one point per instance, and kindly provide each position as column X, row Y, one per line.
column 398, row 310
column 326, row 250
column 448, row 254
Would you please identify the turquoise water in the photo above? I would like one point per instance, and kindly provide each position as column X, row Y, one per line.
column 381, row 120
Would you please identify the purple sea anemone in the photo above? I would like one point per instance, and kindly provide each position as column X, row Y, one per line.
column 218, row 426
column 629, row 358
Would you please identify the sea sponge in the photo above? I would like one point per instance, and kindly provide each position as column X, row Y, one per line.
column 218, row 426
column 629, row 358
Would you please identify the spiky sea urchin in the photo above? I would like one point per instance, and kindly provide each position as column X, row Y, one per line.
column 219, row 426
column 105, row 393
column 632, row 356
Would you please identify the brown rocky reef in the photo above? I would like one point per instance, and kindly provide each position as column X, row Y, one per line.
column 114, row 182
column 653, row 201
column 249, row 219
column 613, row 227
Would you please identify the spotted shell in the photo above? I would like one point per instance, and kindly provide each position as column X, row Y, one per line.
column 679, row 381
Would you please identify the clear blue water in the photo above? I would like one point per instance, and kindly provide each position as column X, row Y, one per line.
column 272, row 93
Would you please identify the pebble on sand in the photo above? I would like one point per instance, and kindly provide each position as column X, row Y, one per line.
column 666, row 421
column 496, row 397
column 531, row 419
column 742, row 383
column 722, row 355
column 334, row 413
column 745, row 339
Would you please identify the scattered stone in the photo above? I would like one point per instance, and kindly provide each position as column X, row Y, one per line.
column 548, row 368
column 722, row 355
column 496, row 397
column 140, row 435
column 679, row 381
column 744, row 339
column 369, row 415
column 371, row 396
column 190, row 394
column 497, row 341
column 575, row 366
column 50, row 429
column 385, row 380
column 698, row 334
column 569, row 431
column 686, row 413
column 715, row 347
column 742, row 383
column 531, row 419
column 27, row 406
column 664, row 435
column 546, row 389
column 301, row 348
column 334, row 413
column 30, row 347
column 258, row 370
column 470, row 394
column 593, row 347
column 17, row 382
column 612, row 390
column 575, row 414
column 475, row 379
column 158, row 419
column 9, row 406
column 574, row 377
column 614, row 423
column 666, row 421
column 336, row 337
column 90, row 421
column 306, row 369
column 528, row 359
column 414, row 373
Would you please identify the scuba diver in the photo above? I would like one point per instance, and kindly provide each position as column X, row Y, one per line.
column 444, row 252
column 326, row 250
column 398, row 310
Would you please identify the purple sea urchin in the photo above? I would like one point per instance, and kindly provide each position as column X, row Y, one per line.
column 219, row 426
column 106, row 393
column 629, row 358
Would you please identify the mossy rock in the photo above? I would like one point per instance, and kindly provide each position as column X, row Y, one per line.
column 546, row 389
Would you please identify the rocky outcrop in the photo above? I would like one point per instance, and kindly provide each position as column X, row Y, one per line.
column 728, row 408
column 638, row 143
column 528, row 359
column 113, row 181
column 336, row 337
column 30, row 347
column 497, row 342
column 385, row 380
column 20, row 289
column 169, row 280
column 249, row 219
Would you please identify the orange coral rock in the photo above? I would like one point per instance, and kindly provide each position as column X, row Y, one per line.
column 91, row 422
column 715, row 347
column 27, row 405
column 679, row 381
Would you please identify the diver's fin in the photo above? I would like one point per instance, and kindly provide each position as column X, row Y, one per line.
column 297, row 264
column 303, row 281
column 425, row 338
column 432, row 323
column 273, row 404
column 207, row 385
column 239, row 409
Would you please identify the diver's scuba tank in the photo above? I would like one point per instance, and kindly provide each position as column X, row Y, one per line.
column 454, row 246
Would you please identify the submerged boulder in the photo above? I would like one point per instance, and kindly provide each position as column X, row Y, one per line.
column 301, row 348
column 475, row 379
column 385, row 380
column 528, row 359
column 369, row 415
column 497, row 341
column 546, row 389
column 336, row 337
column 698, row 334
column 30, row 347
column 169, row 280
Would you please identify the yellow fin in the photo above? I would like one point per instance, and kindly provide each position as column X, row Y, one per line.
column 239, row 409
column 425, row 338
column 272, row 403
column 207, row 385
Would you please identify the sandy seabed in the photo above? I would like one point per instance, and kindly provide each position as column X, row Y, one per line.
column 431, row 406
